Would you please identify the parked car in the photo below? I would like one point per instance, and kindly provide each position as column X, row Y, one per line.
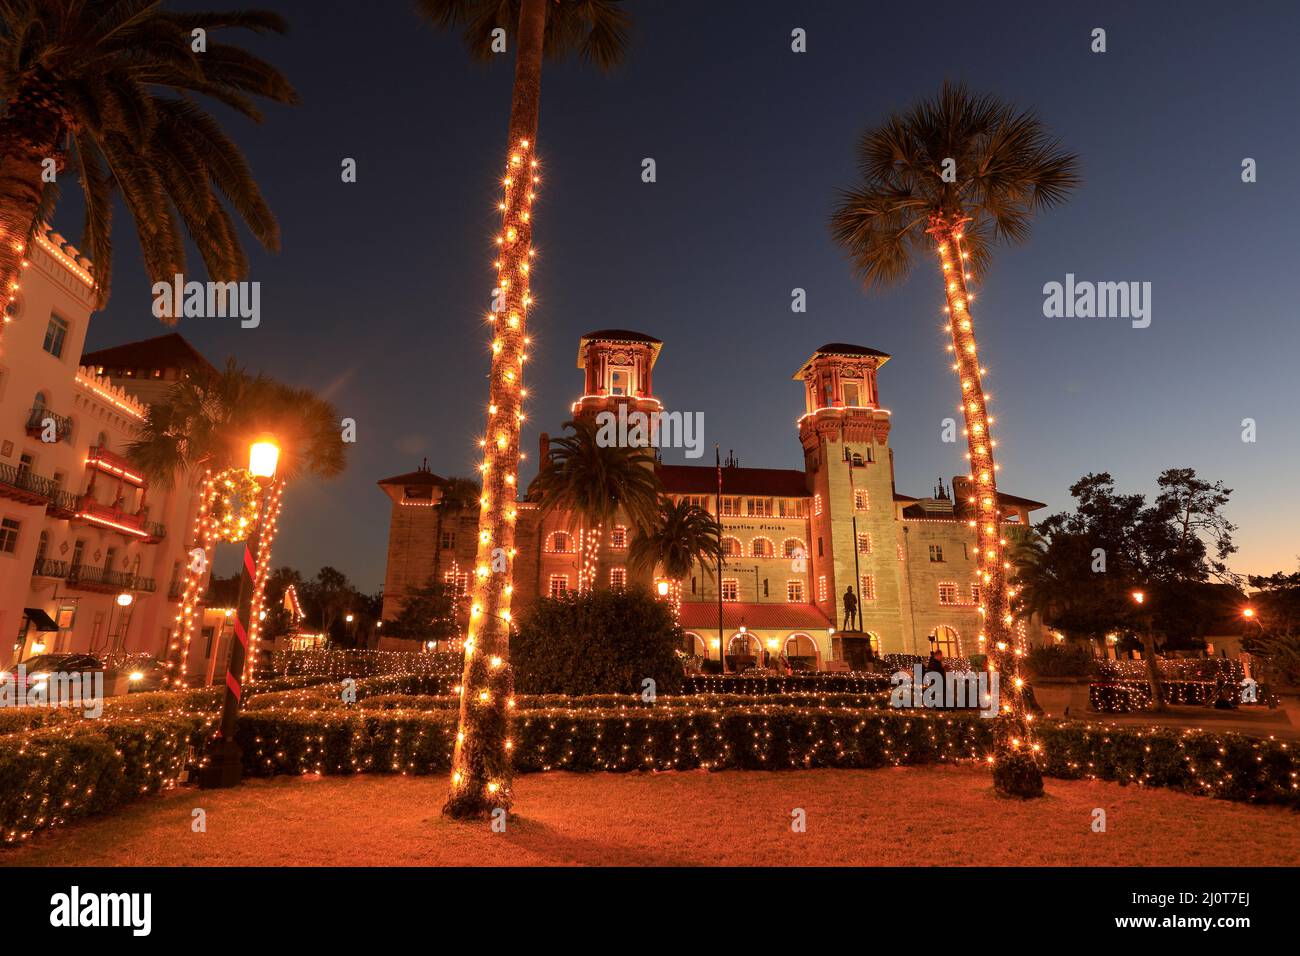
column 145, row 674
column 37, row 670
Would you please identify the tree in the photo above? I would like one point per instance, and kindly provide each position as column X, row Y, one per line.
column 596, row 30
column 683, row 536
column 590, row 481
column 427, row 614
column 955, row 174
column 84, row 85
column 1083, row 571
column 1275, row 623
column 201, row 430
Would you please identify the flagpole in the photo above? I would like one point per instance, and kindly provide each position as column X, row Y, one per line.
column 722, row 650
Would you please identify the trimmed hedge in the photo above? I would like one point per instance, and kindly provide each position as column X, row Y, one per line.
column 855, row 682
column 53, row 775
column 1229, row 766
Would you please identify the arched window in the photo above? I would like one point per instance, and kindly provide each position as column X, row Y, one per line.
column 561, row 541
column 946, row 640
column 102, row 441
column 693, row 644
column 731, row 547
column 761, row 548
column 793, row 548
column 39, row 400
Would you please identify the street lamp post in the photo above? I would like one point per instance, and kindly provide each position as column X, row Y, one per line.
column 224, row 765
column 1149, row 652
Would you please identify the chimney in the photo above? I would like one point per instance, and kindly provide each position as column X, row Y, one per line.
column 543, row 449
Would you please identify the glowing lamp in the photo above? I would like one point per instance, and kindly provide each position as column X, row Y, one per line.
column 136, row 676
column 1248, row 612
column 263, row 456
column 1139, row 596
column 124, row 600
column 348, row 618
column 663, row 588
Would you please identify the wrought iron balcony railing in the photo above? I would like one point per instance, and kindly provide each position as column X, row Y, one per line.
column 80, row 575
column 26, row 481
column 41, row 418
column 50, row 568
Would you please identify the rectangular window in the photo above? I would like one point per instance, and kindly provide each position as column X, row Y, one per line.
column 794, row 508
column 56, row 334
column 618, row 578
column 448, row 540
column 868, row 592
column 947, row 593
column 698, row 501
column 794, row 591
column 817, row 504
column 730, row 506
column 9, row 535
column 976, row 592
column 821, row 588
column 851, row 394
column 730, row 589
column 760, row 507
column 861, row 500
column 936, row 553
column 458, row 581
column 864, row 542
column 559, row 585
column 618, row 538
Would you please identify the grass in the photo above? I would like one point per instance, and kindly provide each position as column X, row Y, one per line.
column 909, row 816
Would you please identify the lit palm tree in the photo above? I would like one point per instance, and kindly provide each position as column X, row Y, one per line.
column 590, row 482
column 595, row 30
column 202, row 428
column 683, row 536
column 83, row 84
column 953, row 175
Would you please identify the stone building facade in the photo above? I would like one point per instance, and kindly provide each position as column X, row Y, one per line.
column 796, row 539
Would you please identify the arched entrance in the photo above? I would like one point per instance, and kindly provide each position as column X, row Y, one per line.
column 801, row 653
column 742, row 652
column 694, row 645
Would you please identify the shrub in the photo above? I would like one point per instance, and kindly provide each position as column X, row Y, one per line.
column 1061, row 660
column 600, row 642
column 850, row 683
column 52, row 775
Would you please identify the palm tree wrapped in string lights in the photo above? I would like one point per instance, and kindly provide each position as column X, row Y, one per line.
column 596, row 30
column 950, row 177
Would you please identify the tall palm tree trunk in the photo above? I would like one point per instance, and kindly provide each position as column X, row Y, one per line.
column 268, row 525
column 32, row 131
column 188, row 619
column 589, row 575
column 1015, row 770
column 481, row 771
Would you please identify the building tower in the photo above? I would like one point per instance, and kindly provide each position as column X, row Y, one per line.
column 619, row 368
column 845, row 436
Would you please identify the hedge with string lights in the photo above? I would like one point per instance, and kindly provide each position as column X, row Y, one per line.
column 687, row 737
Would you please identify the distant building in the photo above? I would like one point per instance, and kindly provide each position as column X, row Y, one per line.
column 90, row 553
column 796, row 539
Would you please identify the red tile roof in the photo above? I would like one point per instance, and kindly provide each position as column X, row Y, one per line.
column 418, row 477
column 778, row 617
column 703, row 480
column 163, row 351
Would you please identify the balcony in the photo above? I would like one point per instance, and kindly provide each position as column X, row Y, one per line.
column 49, row 568
column 100, row 458
column 116, row 519
column 109, row 582
column 36, row 424
column 20, row 484
column 63, row 504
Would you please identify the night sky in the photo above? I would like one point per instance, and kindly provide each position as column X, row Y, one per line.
column 378, row 295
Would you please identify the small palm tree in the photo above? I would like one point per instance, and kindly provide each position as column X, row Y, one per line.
column 952, row 176
column 591, row 482
column 683, row 536
column 85, row 86
column 202, row 428
column 597, row 32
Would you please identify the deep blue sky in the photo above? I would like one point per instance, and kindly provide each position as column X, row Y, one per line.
column 378, row 294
